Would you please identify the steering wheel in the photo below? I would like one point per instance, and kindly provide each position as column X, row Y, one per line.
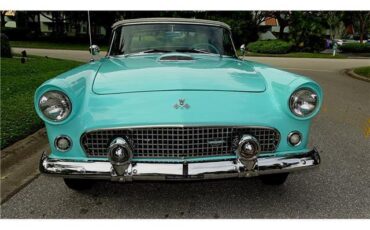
column 200, row 45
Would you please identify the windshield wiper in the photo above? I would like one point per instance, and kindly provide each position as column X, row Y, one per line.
column 148, row 51
column 192, row 50
column 155, row 51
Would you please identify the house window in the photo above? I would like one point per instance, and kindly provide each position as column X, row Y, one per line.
column 83, row 29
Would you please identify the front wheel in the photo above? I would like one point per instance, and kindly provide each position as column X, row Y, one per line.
column 274, row 179
column 78, row 184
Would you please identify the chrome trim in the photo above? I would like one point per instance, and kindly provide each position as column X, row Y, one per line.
column 111, row 43
column 248, row 138
column 119, row 141
column 233, row 45
column 94, row 50
column 201, row 22
column 68, row 138
column 174, row 22
column 313, row 111
column 248, row 161
column 147, row 54
column 164, row 20
column 290, row 134
column 119, row 165
column 184, row 126
column 68, row 100
column 190, row 171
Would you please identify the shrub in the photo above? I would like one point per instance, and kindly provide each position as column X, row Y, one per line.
column 16, row 33
column 312, row 43
column 5, row 47
column 355, row 48
column 270, row 47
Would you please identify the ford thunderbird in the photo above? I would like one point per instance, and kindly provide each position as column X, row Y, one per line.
column 172, row 101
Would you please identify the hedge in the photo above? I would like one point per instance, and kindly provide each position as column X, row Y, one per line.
column 270, row 47
column 355, row 48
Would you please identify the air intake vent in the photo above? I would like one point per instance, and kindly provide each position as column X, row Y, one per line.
column 176, row 57
column 179, row 142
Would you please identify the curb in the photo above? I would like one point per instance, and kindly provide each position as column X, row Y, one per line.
column 352, row 74
column 30, row 141
column 19, row 163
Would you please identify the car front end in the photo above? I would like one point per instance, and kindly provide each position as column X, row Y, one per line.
column 177, row 116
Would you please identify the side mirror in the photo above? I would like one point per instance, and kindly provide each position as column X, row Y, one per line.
column 94, row 50
column 242, row 49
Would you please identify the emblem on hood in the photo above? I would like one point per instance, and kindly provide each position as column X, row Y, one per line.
column 181, row 104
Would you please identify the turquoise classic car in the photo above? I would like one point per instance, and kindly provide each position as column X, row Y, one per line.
column 172, row 101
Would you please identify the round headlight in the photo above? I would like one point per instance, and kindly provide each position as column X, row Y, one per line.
column 303, row 102
column 55, row 105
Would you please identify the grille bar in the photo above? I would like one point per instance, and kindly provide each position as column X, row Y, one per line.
column 179, row 142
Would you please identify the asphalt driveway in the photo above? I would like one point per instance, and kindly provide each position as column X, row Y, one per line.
column 339, row 188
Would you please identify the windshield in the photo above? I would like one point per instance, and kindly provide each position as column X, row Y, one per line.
column 161, row 38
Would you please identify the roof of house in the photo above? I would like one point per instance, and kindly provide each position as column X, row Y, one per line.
column 170, row 20
column 271, row 21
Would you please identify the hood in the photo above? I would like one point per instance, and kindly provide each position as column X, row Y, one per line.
column 146, row 73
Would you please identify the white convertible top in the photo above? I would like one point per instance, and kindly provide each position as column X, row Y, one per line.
column 170, row 20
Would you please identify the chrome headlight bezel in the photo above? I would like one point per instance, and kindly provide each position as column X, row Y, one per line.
column 296, row 98
column 63, row 102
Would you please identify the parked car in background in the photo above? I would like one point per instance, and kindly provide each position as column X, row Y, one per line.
column 339, row 42
column 351, row 39
column 172, row 101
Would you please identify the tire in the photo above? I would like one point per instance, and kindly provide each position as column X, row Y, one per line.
column 274, row 179
column 78, row 184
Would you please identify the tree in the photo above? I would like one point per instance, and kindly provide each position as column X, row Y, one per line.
column 334, row 21
column 360, row 20
column 255, row 22
column 240, row 22
column 307, row 30
column 364, row 20
column 3, row 18
column 284, row 18
column 58, row 20
column 28, row 21
column 105, row 19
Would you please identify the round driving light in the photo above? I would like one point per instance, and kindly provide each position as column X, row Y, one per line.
column 248, row 147
column 303, row 102
column 295, row 138
column 120, row 154
column 120, row 151
column 63, row 143
column 55, row 105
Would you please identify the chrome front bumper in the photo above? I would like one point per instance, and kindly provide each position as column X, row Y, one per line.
column 176, row 171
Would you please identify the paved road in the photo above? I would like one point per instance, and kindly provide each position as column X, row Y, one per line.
column 76, row 55
column 340, row 188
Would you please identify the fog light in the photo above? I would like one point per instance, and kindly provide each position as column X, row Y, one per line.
column 120, row 155
column 63, row 143
column 248, row 147
column 295, row 138
column 247, row 150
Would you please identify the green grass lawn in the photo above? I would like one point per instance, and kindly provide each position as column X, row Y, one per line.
column 53, row 45
column 18, row 85
column 363, row 71
column 297, row 55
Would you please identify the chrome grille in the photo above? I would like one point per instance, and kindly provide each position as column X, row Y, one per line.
column 178, row 142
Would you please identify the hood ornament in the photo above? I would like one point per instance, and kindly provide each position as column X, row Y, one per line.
column 181, row 104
